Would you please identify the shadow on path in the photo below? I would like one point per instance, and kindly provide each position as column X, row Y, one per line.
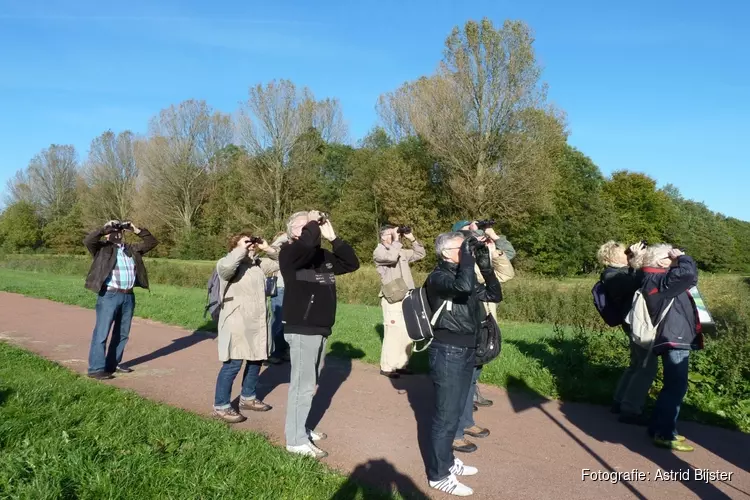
column 382, row 475
column 597, row 423
column 336, row 369
column 177, row 345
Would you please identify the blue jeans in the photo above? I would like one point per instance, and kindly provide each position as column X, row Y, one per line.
column 225, row 380
column 451, row 370
column 632, row 389
column 117, row 308
column 664, row 420
column 467, row 416
column 280, row 345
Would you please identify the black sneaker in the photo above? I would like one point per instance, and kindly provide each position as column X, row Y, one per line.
column 102, row 375
column 634, row 419
column 404, row 371
column 615, row 408
column 393, row 374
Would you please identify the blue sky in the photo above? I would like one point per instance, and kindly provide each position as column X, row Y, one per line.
column 657, row 87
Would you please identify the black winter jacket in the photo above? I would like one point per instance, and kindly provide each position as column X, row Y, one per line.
column 105, row 258
column 681, row 327
column 620, row 284
column 458, row 283
column 309, row 272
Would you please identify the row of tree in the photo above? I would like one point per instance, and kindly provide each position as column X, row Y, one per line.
column 476, row 139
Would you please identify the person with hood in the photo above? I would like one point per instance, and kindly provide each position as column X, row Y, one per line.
column 501, row 252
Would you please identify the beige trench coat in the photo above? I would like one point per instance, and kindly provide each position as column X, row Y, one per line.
column 503, row 271
column 243, row 320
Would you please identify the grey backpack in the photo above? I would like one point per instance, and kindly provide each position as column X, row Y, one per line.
column 213, row 298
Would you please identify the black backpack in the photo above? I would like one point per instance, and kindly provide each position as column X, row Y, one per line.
column 489, row 341
column 418, row 316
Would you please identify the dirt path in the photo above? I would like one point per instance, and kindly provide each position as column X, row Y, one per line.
column 537, row 449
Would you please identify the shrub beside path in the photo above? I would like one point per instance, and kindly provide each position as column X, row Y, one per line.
column 537, row 449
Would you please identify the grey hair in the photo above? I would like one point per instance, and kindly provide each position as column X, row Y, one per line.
column 607, row 254
column 384, row 231
column 654, row 254
column 442, row 241
column 290, row 222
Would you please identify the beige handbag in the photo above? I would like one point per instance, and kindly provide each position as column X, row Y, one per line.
column 395, row 291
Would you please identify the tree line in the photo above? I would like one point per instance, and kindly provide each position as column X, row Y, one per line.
column 477, row 138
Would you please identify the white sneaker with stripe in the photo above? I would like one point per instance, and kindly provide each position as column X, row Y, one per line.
column 451, row 486
column 459, row 469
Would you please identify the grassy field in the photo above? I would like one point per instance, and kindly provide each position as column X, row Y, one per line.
column 530, row 299
column 64, row 436
column 579, row 363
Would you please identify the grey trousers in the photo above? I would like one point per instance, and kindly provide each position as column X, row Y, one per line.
column 306, row 355
column 632, row 390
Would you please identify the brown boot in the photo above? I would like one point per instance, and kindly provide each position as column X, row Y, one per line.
column 464, row 446
column 477, row 432
column 230, row 415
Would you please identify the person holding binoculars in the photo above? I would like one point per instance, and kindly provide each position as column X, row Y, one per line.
column 117, row 268
column 392, row 263
column 455, row 296
column 309, row 313
column 243, row 322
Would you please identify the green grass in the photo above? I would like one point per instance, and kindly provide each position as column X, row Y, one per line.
column 64, row 436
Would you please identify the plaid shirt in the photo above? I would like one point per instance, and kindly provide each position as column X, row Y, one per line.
column 123, row 275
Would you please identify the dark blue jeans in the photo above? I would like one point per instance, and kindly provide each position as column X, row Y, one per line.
column 280, row 345
column 225, row 380
column 664, row 418
column 467, row 416
column 451, row 370
column 111, row 308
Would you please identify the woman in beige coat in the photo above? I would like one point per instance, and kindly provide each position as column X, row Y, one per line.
column 243, row 324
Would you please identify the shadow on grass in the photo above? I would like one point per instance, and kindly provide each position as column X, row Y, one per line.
column 5, row 394
column 376, row 477
column 206, row 332
column 598, row 425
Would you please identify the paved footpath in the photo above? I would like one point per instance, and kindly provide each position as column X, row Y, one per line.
column 537, row 449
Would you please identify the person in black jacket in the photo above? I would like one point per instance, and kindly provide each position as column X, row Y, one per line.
column 621, row 278
column 456, row 297
column 309, row 312
column 668, row 276
column 116, row 269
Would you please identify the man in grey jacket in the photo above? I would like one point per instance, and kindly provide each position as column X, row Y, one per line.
column 392, row 262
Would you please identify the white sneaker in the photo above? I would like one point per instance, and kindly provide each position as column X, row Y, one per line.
column 451, row 485
column 460, row 469
column 308, row 450
column 316, row 436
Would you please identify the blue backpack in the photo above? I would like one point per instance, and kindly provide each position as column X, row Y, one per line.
column 607, row 309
